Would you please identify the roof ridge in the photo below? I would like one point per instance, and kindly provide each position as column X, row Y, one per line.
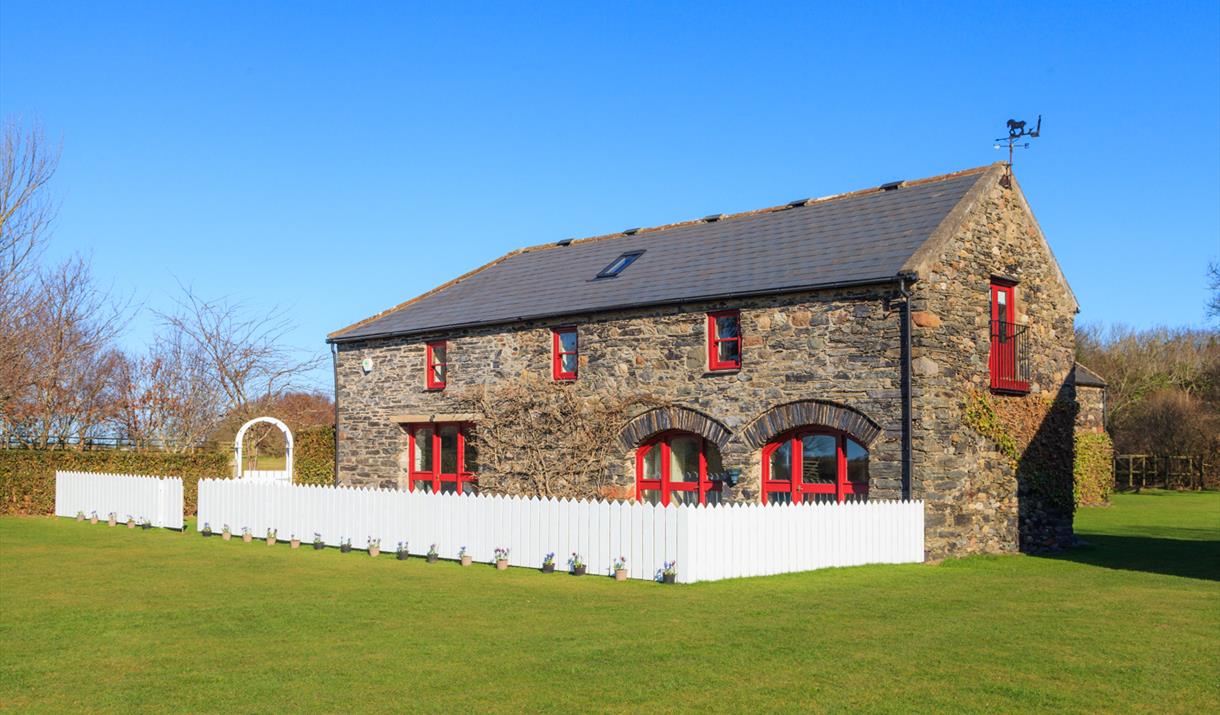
column 766, row 210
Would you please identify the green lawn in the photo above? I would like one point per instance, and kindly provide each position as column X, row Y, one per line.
column 97, row 618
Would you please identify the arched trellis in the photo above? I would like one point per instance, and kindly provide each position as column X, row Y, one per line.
column 286, row 474
column 672, row 417
column 802, row 413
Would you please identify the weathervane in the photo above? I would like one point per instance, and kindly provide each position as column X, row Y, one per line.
column 1016, row 130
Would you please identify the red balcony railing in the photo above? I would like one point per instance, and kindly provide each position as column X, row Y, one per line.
column 1009, row 357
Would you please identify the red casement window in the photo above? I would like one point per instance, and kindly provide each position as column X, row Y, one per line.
column 565, row 353
column 724, row 340
column 814, row 465
column 442, row 459
column 437, row 366
column 674, row 467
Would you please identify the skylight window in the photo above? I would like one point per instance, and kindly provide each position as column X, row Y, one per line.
column 620, row 264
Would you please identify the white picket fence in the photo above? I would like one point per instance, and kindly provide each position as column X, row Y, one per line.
column 709, row 543
column 158, row 499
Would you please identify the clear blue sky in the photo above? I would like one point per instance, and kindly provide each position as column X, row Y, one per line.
column 337, row 158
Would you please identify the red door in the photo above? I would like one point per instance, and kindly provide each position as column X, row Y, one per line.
column 1003, row 345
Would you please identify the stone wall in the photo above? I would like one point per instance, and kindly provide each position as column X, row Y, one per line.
column 841, row 347
column 976, row 500
column 1092, row 415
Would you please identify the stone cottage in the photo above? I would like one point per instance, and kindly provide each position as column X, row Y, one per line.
column 913, row 340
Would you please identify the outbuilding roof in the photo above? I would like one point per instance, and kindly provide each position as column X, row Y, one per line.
column 862, row 237
column 1084, row 377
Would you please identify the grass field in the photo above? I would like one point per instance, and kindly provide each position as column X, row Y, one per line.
column 97, row 618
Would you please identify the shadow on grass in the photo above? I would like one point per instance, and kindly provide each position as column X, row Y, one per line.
column 1188, row 558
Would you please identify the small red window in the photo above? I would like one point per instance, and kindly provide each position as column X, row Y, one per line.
column 565, row 353
column 438, row 368
column 724, row 340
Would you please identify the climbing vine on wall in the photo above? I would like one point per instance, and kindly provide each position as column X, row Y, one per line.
column 1094, row 470
column 1037, row 434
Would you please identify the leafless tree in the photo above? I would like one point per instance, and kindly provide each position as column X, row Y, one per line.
column 167, row 398
column 1213, row 282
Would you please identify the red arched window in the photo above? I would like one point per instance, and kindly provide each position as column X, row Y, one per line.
column 814, row 464
column 677, row 467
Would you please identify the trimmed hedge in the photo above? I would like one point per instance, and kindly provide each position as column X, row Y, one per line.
column 1094, row 469
column 27, row 476
column 313, row 459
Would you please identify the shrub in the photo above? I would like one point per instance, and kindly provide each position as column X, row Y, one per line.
column 314, row 456
column 1094, row 469
column 27, row 476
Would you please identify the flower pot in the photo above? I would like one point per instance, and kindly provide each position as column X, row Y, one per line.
column 131, row 525
column 402, row 555
column 374, row 551
column 578, row 570
column 224, row 535
column 668, row 577
column 270, row 541
column 467, row 559
column 80, row 517
column 432, row 558
column 620, row 574
column 318, row 546
column 345, row 548
column 296, row 543
column 146, row 525
column 247, row 538
column 93, row 520
column 548, row 568
column 502, row 564
column 206, row 533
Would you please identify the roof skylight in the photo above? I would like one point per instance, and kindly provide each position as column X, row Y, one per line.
column 620, row 264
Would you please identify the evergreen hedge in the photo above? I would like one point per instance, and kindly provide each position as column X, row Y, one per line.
column 27, row 476
column 1094, row 469
column 313, row 458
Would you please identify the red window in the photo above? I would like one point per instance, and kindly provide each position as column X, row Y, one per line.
column 437, row 367
column 724, row 340
column 442, row 459
column 564, row 353
column 1008, row 360
column 675, row 467
column 814, row 465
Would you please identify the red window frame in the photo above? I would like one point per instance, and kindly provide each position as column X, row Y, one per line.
column 462, row 479
column 557, row 353
column 714, row 340
column 1002, row 356
column 430, row 365
column 665, row 484
column 842, row 488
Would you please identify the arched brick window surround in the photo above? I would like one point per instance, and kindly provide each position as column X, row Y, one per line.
column 806, row 413
column 664, row 419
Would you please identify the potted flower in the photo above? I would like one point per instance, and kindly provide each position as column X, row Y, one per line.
column 345, row 545
column 112, row 518
column 501, row 558
column 401, row 552
column 207, row 529
column 548, row 563
column 669, row 572
column 464, row 556
column 271, row 533
column 225, row 533
column 246, row 535
column 318, row 544
column 433, row 554
column 145, row 523
column 576, row 564
column 131, row 522
column 620, row 568
column 80, row 516
column 93, row 517
column 374, row 546
column 296, row 543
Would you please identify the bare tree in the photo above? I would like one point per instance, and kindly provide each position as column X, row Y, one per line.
column 65, row 392
column 1213, row 282
column 167, row 398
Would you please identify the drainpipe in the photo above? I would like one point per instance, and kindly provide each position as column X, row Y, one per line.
column 334, row 362
column 907, row 451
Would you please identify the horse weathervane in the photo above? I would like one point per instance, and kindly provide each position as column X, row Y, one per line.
column 1017, row 130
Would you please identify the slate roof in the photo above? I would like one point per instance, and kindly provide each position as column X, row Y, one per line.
column 1085, row 377
column 849, row 239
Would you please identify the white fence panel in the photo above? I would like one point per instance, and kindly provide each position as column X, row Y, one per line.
column 157, row 499
column 708, row 542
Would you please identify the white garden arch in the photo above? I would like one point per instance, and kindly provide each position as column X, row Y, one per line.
column 284, row 475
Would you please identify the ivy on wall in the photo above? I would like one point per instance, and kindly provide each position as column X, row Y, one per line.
column 1094, row 469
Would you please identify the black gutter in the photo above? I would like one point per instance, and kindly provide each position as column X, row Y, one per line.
column 622, row 306
column 907, row 447
column 334, row 362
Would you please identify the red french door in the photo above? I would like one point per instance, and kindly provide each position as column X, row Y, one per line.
column 814, row 465
column 441, row 459
column 673, row 467
column 1008, row 369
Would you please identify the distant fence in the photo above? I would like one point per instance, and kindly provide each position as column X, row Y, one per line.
column 157, row 499
column 1140, row 471
column 709, row 543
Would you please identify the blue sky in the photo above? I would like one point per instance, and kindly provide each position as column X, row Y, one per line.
column 338, row 158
